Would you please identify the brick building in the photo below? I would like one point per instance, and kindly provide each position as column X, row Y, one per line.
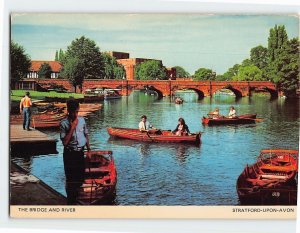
column 130, row 63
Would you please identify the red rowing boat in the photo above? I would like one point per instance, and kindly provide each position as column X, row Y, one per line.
column 271, row 180
column 242, row 119
column 153, row 135
column 99, row 186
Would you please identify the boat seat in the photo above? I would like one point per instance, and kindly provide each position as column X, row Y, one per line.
column 271, row 176
column 97, row 169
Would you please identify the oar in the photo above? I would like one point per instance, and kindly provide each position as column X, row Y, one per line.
column 149, row 136
column 254, row 119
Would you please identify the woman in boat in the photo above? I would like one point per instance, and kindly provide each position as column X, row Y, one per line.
column 182, row 128
column 232, row 112
column 144, row 125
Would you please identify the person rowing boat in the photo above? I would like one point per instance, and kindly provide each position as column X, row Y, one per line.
column 145, row 126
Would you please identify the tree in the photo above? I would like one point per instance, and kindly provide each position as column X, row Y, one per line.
column 249, row 73
column 74, row 71
column 19, row 62
column 287, row 64
column 246, row 62
column 221, row 77
column 259, row 56
column 181, row 72
column 86, row 51
column 150, row 70
column 277, row 38
column 61, row 55
column 56, row 56
column 231, row 72
column 204, row 74
column 112, row 70
column 45, row 71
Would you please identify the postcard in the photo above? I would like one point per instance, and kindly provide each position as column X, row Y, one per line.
column 173, row 116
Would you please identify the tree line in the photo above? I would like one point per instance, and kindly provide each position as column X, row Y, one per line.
column 279, row 63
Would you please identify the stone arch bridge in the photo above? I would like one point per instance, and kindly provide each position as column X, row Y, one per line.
column 169, row 87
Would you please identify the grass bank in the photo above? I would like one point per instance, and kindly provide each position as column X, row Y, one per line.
column 16, row 95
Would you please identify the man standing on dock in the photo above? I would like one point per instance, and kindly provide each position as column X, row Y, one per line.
column 74, row 136
column 25, row 105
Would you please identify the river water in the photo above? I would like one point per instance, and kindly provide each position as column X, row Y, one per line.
column 178, row 174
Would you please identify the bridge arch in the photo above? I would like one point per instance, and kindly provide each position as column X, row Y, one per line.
column 236, row 91
column 273, row 93
column 159, row 92
column 199, row 92
column 143, row 87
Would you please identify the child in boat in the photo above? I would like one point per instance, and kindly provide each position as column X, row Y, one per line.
column 144, row 125
column 182, row 128
column 232, row 112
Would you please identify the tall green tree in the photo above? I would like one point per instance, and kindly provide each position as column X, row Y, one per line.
column 45, row 71
column 56, row 56
column 181, row 72
column 259, row 56
column 204, row 74
column 277, row 38
column 61, row 55
column 287, row 64
column 150, row 70
column 19, row 62
column 74, row 71
column 84, row 53
column 112, row 70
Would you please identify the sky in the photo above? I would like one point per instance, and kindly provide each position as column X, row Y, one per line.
column 189, row 40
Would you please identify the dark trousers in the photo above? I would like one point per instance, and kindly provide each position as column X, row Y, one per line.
column 26, row 118
column 74, row 171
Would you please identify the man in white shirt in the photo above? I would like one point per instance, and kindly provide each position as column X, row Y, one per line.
column 144, row 125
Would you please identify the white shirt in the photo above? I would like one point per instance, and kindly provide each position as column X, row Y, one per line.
column 232, row 113
column 144, row 125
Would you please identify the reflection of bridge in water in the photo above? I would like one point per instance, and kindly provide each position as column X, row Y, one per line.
column 169, row 87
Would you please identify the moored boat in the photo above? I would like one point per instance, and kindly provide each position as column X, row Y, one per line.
column 153, row 135
column 271, row 180
column 99, row 186
column 242, row 119
column 39, row 120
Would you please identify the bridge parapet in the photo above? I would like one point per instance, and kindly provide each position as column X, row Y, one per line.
column 169, row 87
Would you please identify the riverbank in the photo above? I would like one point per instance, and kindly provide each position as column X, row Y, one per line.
column 16, row 95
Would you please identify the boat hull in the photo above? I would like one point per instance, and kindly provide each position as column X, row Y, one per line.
column 162, row 136
column 243, row 119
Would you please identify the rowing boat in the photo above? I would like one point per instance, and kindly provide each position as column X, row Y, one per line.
column 99, row 186
column 271, row 180
column 153, row 135
column 242, row 119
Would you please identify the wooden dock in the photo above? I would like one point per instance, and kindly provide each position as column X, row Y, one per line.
column 26, row 189
column 30, row 142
